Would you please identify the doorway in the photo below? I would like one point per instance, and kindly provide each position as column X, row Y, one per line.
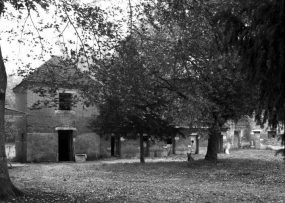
column 146, row 146
column 115, row 146
column 65, row 145
column 237, row 139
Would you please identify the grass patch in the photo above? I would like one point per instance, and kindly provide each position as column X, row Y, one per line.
column 242, row 176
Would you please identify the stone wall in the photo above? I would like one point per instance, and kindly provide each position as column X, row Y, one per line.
column 21, row 100
column 88, row 144
column 183, row 145
column 38, row 140
column 47, row 119
column 42, row 147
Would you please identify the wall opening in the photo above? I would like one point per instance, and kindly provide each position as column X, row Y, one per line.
column 146, row 145
column 237, row 139
column 115, row 146
column 65, row 101
column 65, row 145
column 271, row 134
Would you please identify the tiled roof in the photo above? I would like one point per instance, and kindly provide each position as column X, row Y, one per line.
column 56, row 71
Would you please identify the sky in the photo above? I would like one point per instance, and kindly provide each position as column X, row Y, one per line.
column 16, row 51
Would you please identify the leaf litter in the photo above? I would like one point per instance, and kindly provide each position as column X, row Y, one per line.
column 243, row 176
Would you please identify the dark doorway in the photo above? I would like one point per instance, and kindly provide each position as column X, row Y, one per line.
column 115, row 146
column 271, row 134
column 146, row 146
column 65, row 145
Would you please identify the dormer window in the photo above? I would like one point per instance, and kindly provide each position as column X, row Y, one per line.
column 65, row 101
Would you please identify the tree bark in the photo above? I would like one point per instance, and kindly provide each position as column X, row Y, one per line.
column 141, row 149
column 212, row 150
column 221, row 144
column 7, row 189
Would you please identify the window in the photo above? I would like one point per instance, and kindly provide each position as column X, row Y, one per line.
column 65, row 101
column 168, row 141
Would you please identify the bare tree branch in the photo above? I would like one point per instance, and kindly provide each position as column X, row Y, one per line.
column 39, row 35
column 77, row 35
column 23, row 30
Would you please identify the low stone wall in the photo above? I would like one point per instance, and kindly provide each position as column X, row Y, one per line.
column 87, row 144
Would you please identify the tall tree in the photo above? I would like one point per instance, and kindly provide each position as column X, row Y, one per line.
column 256, row 30
column 7, row 189
column 6, row 186
column 199, row 60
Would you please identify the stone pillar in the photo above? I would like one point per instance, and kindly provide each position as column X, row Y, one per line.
column 223, row 139
column 176, row 138
column 257, row 139
column 173, row 144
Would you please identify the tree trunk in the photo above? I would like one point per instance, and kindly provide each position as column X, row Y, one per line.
column 221, row 144
column 7, row 189
column 141, row 149
column 212, row 150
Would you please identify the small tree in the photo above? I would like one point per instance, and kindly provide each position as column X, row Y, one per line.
column 132, row 122
column 135, row 103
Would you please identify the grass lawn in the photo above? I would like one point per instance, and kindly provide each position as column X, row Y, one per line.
column 243, row 176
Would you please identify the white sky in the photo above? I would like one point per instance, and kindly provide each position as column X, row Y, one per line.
column 15, row 51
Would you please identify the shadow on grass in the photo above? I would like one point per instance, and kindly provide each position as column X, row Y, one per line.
column 231, row 164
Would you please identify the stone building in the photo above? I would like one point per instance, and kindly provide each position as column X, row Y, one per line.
column 178, row 144
column 54, row 127
column 55, row 124
column 248, row 132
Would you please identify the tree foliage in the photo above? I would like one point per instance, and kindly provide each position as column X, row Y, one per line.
column 134, row 104
column 256, row 30
column 208, row 74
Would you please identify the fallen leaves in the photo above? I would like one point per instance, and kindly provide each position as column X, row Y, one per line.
column 242, row 176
